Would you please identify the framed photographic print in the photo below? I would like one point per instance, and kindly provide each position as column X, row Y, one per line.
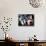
column 26, row 20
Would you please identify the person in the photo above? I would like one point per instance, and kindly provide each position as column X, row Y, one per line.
column 22, row 21
column 29, row 21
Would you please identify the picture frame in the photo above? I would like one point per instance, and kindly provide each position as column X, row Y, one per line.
column 26, row 20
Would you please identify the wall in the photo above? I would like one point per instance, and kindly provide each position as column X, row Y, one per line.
column 11, row 8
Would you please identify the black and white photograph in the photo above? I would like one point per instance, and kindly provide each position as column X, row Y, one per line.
column 26, row 20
